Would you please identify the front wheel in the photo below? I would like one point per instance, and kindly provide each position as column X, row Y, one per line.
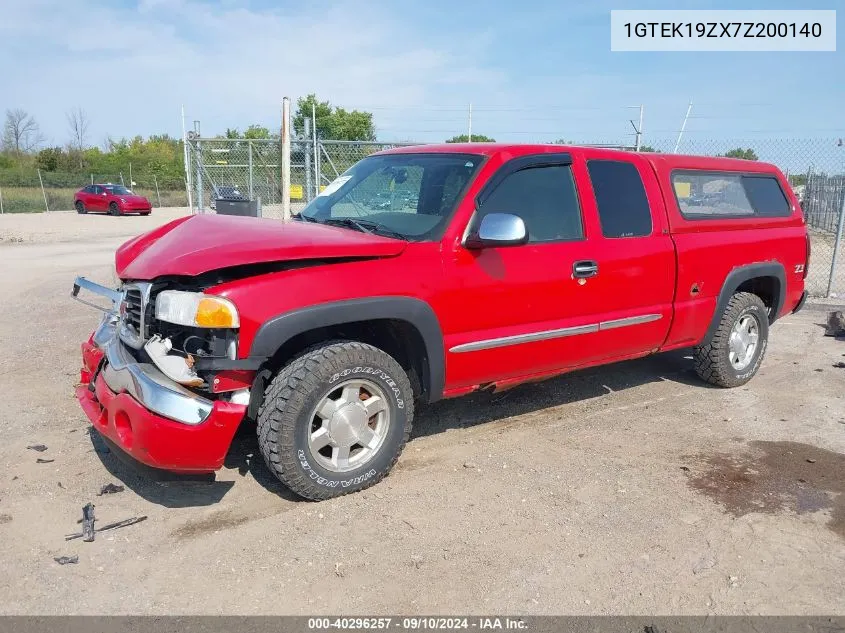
column 80, row 208
column 114, row 209
column 335, row 419
column 736, row 350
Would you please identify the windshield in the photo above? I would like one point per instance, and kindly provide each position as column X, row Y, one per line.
column 412, row 195
column 117, row 190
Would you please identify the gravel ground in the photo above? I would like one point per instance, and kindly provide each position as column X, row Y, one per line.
column 627, row 489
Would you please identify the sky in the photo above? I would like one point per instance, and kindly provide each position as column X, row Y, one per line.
column 532, row 70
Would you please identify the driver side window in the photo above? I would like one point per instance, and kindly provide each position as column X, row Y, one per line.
column 546, row 200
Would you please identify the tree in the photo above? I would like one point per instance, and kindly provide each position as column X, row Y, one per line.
column 78, row 123
column 48, row 158
column 21, row 133
column 257, row 131
column 476, row 138
column 747, row 154
column 333, row 123
column 647, row 148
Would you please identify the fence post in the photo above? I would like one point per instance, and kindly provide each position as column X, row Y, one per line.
column 1, row 200
column 314, row 148
column 309, row 194
column 158, row 195
column 286, row 158
column 199, row 185
column 835, row 257
column 251, row 191
column 43, row 193
column 123, row 184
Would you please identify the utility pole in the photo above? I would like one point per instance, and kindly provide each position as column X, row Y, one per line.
column 469, row 127
column 683, row 127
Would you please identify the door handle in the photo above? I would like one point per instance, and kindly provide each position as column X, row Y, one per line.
column 585, row 268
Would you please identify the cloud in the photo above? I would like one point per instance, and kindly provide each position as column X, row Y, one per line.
column 132, row 67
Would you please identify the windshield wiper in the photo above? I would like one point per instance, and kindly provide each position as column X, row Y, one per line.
column 383, row 230
column 365, row 226
column 348, row 222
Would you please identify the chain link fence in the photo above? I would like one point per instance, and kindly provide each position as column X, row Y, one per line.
column 251, row 169
column 34, row 190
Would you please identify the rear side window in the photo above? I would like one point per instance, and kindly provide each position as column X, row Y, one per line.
column 702, row 194
column 766, row 196
column 621, row 198
column 545, row 199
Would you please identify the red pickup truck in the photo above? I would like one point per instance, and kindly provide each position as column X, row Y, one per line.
column 430, row 272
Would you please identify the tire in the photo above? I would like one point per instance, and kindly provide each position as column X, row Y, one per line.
column 80, row 208
column 718, row 362
column 144, row 213
column 288, row 419
column 114, row 209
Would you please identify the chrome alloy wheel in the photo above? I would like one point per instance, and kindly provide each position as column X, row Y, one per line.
column 349, row 425
column 743, row 342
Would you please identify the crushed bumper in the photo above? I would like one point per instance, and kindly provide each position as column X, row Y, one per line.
column 153, row 419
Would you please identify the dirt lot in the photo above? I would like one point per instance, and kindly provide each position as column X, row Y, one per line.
column 627, row 489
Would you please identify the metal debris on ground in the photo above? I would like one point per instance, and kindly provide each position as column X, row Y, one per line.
column 66, row 560
column 110, row 489
column 110, row 526
column 88, row 522
column 44, row 461
column 37, row 447
column 835, row 324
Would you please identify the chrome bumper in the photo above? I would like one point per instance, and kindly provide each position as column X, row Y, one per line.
column 144, row 382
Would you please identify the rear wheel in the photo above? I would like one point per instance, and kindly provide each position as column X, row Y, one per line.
column 336, row 419
column 80, row 208
column 734, row 354
column 114, row 209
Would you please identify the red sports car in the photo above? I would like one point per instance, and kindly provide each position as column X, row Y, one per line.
column 111, row 199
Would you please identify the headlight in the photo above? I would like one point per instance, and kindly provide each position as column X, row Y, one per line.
column 195, row 309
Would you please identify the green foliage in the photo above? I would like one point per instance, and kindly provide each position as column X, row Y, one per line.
column 335, row 124
column 48, row 158
column 257, row 131
column 647, row 148
column 747, row 154
column 476, row 138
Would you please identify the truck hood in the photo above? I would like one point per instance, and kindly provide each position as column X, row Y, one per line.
column 202, row 243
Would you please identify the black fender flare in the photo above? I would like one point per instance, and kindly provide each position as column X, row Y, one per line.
column 276, row 331
column 735, row 279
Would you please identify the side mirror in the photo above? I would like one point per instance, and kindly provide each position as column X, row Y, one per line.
column 498, row 229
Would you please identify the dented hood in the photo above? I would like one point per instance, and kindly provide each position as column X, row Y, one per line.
column 202, row 243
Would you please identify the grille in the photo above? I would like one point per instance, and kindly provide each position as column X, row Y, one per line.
column 134, row 303
column 133, row 328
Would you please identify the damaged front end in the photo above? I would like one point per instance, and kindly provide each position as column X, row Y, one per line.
column 158, row 375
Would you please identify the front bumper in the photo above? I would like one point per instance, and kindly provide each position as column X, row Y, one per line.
column 150, row 417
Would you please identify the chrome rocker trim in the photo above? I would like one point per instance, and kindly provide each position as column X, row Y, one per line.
column 144, row 381
column 545, row 335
